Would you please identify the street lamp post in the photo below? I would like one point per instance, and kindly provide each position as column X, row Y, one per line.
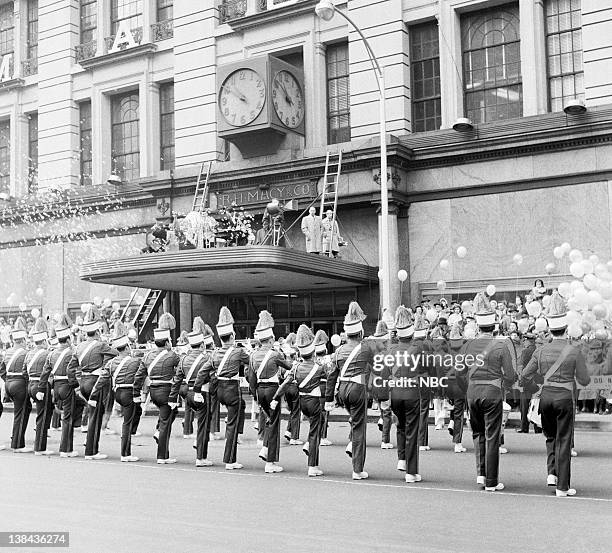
column 325, row 9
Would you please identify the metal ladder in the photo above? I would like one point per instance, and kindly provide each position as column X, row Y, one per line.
column 147, row 312
column 201, row 192
column 330, row 189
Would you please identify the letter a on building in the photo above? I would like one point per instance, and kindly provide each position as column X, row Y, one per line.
column 123, row 39
column 5, row 68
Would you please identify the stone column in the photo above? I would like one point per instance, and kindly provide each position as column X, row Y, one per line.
column 596, row 30
column 533, row 57
column 315, row 75
column 148, row 93
column 393, row 254
column 19, row 151
column 450, row 64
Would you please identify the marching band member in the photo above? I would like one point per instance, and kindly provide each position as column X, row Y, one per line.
column 65, row 384
column 307, row 375
column 126, row 375
column 292, row 397
column 321, row 358
column 39, row 389
column 228, row 361
column 382, row 337
column 201, row 341
column 88, row 360
column 558, row 365
column 350, row 367
column 15, row 375
column 164, row 384
column 420, row 335
column 484, row 381
column 266, row 366
column 455, row 393
column 406, row 399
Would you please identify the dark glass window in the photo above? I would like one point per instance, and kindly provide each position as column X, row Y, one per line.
column 32, row 38
column 85, row 138
column 5, row 156
column 425, row 70
column 125, row 136
column 6, row 29
column 32, row 152
column 564, row 52
column 164, row 10
column 89, row 20
column 126, row 10
column 338, row 95
column 166, row 111
column 492, row 64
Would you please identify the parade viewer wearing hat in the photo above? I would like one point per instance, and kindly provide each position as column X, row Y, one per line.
column 90, row 357
column 382, row 335
column 192, row 362
column 64, row 384
column 485, row 382
column 267, row 368
column 321, row 357
column 350, row 368
column 126, row 376
column 559, row 364
column 405, row 402
column 421, row 326
column 160, row 364
column 307, row 375
column 39, row 389
column 229, row 362
column 14, row 371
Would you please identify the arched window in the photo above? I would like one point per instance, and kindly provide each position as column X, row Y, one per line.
column 492, row 64
column 126, row 10
column 125, row 136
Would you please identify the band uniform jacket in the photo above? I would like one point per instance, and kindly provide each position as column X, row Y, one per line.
column 132, row 373
column 408, row 373
column 572, row 368
column 14, row 360
column 359, row 368
column 489, row 375
column 164, row 370
column 35, row 362
column 272, row 371
column 191, row 364
column 298, row 374
column 63, row 369
column 94, row 359
column 233, row 368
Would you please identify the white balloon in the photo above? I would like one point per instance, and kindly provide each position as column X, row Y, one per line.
column 335, row 340
column 84, row 307
column 444, row 264
column 517, row 259
column 594, row 259
column 116, row 307
column 593, row 298
column 590, row 281
column 35, row 313
column 600, row 311
column 607, row 276
column 605, row 289
column 600, row 269
column 566, row 247
column 402, row 275
column 97, row 301
column 573, row 317
column 107, row 302
column 23, row 306
column 558, row 253
column 587, row 266
column 491, row 290
column 575, row 256
column 461, row 251
column 565, row 289
column 541, row 325
column 534, row 308
column 40, row 292
column 577, row 270
column 546, row 300
column 574, row 331
column 550, row 268
column 441, row 285
column 581, row 295
column 575, row 285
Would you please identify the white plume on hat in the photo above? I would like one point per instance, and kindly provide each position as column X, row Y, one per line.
column 39, row 332
column 119, row 336
column 321, row 340
column 165, row 324
column 19, row 331
column 305, row 340
column 225, row 325
column 265, row 324
column 353, row 319
column 403, row 322
column 91, row 319
column 485, row 316
column 556, row 312
column 381, row 332
column 196, row 336
column 64, row 326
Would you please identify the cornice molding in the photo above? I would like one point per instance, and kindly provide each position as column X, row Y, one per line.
column 269, row 16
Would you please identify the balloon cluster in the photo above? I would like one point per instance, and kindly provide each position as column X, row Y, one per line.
column 589, row 296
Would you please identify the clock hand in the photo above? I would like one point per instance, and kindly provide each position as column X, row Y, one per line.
column 236, row 93
column 241, row 96
column 287, row 97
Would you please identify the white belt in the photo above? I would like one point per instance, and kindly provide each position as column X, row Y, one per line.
column 236, row 378
column 56, row 378
column 359, row 379
column 160, row 382
column 34, row 378
column 97, row 372
column 315, row 393
column 273, row 380
column 565, row 385
column 124, row 386
column 14, row 374
column 206, row 387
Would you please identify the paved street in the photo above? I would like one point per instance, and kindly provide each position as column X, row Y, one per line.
column 112, row 507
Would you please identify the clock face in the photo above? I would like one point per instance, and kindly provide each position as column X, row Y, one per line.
column 288, row 99
column 242, row 97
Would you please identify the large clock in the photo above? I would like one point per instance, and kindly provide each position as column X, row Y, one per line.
column 287, row 99
column 242, row 97
column 259, row 101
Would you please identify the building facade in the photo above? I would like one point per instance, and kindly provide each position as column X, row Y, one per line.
column 150, row 90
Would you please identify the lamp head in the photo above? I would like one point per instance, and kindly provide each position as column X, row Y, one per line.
column 325, row 10
column 574, row 107
column 114, row 179
column 463, row 124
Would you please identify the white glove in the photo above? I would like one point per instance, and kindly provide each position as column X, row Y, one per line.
column 243, row 382
column 137, row 399
column 40, row 396
column 92, row 402
column 198, row 398
column 385, row 405
column 173, row 405
column 273, row 404
column 329, row 405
